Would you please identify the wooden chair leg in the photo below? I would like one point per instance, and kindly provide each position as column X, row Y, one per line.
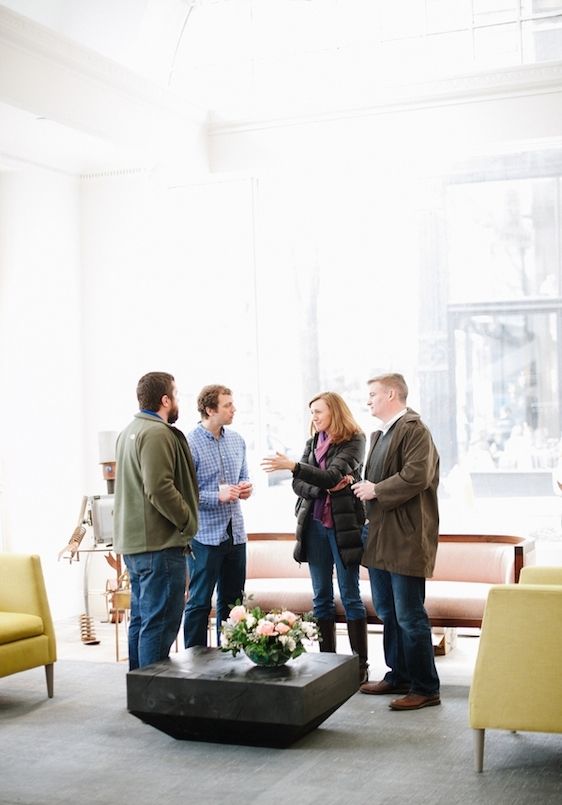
column 478, row 749
column 116, row 638
column 125, row 619
column 50, row 675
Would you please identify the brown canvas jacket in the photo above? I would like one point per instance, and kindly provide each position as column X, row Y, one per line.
column 404, row 517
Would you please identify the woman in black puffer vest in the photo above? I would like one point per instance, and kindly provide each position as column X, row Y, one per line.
column 331, row 518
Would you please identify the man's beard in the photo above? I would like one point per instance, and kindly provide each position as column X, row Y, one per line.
column 173, row 415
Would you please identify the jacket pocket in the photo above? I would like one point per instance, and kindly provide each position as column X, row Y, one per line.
column 404, row 522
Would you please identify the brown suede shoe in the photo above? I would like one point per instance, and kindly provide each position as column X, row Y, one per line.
column 382, row 687
column 414, row 701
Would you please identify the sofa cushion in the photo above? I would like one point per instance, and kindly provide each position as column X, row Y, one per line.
column 18, row 626
column 285, row 593
column 273, row 559
column 488, row 562
column 456, row 600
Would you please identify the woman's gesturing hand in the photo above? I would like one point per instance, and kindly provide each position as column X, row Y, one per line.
column 278, row 462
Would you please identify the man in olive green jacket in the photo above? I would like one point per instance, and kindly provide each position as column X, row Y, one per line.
column 400, row 487
column 155, row 517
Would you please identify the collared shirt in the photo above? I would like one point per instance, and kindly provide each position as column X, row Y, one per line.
column 150, row 413
column 217, row 461
column 386, row 426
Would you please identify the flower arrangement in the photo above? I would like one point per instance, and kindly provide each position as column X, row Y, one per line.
column 269, row 638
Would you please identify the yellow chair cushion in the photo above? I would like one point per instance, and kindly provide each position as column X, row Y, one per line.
column 19, row 626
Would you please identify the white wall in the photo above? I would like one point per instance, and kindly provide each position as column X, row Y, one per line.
column 41, row 367
column 161, row 266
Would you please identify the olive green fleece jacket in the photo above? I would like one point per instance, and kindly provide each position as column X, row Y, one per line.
column 156, row 494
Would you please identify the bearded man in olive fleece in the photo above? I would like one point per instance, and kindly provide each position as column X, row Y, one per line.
column 155, row 517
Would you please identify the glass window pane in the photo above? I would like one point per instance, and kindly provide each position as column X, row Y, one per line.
column 503, row 240
column 449, row 53
column 497, row 46
column 507, row 391
column 442, row 15
column 490, row 11
column 529, row 7
column 402, row 58
column 401, row 18
column 542, row 40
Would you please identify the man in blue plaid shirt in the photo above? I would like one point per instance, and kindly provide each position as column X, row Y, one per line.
column 218, row 550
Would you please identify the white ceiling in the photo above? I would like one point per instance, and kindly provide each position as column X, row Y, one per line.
column 67, row 106
column 91, row 85
column 239, row 59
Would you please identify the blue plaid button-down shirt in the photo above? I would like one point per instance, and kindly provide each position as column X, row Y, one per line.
column 221, row 460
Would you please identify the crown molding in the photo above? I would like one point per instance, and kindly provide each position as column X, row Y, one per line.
column 49, row 75
column 531, row 79
column 25, row 34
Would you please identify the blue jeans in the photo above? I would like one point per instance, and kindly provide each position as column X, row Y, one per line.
column 408, row 648
column 322, row 553
column 223, row 566
column 157, row 596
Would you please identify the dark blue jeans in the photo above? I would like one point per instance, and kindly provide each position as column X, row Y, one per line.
column 322, row 553
column 157, row 596
column 408, row 648
column 222, row 566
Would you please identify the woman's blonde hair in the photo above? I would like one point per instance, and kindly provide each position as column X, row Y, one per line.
column 343, row 426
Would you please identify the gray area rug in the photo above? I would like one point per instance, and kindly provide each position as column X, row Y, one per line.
column 83, row 746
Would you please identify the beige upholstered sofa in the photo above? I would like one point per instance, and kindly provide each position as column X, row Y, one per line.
column 467, row 566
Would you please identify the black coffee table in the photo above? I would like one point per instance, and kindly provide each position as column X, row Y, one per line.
column 204, row 694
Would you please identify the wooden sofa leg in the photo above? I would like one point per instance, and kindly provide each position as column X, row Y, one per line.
column 478, row 749
column 49, row 673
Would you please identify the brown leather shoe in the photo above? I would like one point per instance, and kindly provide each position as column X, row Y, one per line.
column 414, row 701
column 382, row 687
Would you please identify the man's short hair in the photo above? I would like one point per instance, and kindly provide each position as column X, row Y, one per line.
column 152, row 387
column 392, row 380
column 209, row 398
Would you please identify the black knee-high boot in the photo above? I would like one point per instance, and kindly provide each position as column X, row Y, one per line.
column 357, row 631
column 327, row 629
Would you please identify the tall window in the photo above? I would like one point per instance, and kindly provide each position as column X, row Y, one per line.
column 505, row 318
column 506, row 387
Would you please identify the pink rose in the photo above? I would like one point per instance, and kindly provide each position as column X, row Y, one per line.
column 237, row 614
column 282, row 628
column 290, row 617
column 266, row 628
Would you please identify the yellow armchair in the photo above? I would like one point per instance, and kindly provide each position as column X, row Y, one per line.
column 540, row 574
column 27, row 636
column 517, row 681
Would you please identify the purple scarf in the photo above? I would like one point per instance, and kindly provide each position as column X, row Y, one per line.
column 323, row 504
